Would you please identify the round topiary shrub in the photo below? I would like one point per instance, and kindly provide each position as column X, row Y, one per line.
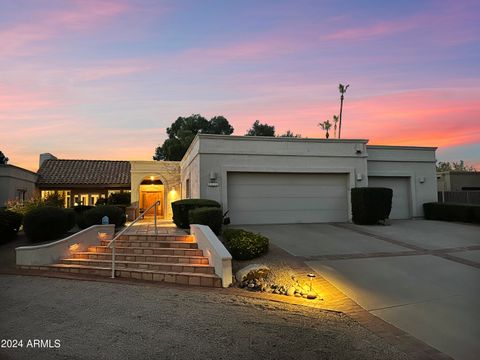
column 115, row 215
column 10, row 223
column 79, row 211
column 210, row 216
column 371, row 204
column 181, row 210
column 244, row 245
column 47, row 223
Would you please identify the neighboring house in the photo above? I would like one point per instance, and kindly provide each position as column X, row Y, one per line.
column 458, row 181
column 82, row 182
column 16, row 183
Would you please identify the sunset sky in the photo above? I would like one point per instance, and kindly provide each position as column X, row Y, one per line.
column 103, row 79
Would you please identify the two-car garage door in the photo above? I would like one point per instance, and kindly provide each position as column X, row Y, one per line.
column 276, row 198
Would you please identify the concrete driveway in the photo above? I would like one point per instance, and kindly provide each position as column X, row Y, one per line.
column 421, row 276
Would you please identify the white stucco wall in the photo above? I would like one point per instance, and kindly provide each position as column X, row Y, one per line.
column 224, row 154
column 416, row 163
column 12, row 179
column 190, row 170
column 169, row 174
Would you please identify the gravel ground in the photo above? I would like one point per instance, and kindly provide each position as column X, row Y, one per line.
column 98, row 320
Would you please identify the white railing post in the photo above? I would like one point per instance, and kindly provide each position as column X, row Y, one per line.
column 113, row 260
column 155, row 217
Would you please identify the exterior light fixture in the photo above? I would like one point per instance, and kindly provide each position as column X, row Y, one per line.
column 73, row 247
column 421, row 180
column 152, row 178
column 359, row 177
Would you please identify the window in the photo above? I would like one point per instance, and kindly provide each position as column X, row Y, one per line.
column 187, row 189
column 21, row 194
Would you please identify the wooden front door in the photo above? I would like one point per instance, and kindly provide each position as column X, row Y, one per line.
column 148, row 198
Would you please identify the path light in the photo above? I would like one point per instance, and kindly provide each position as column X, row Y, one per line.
column 311, row 295
column 73, row 247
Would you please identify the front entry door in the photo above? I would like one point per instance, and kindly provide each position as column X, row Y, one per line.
column 148, row 198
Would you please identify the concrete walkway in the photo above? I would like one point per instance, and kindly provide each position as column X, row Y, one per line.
column 421, row 276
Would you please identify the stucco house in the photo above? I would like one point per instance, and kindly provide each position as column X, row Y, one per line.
column 16, row 183
column 257, row 179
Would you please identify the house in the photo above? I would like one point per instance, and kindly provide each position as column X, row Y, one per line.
column 458, row 181
column 82, row 182
column 290, row 180
column 16, row 183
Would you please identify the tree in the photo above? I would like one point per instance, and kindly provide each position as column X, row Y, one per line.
column 290, row 134
column 335, row 121
column 3, row 159
column 454, row 166
column 182, row 132
column 326, row 125
column 343, row 89
column 259, row 129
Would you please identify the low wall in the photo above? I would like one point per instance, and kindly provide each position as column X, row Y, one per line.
column 51, row 253
column 217, row 254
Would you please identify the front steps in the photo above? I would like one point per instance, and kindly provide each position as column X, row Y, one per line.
column 164, row 258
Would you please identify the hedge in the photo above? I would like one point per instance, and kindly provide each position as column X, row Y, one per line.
column 94, row 216
column 452, row 212
column 371, row 204
column 244, row 245
column 10, row 223
column 210, row 216
column 79, row 211
column 181, row 210
column 47, row 223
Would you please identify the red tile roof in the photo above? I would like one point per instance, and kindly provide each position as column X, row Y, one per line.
column 84, row 172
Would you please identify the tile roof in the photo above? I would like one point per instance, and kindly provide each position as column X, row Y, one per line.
column 84, row 172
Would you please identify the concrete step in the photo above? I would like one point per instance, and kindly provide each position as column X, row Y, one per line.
column 177, row 268
column 149, row 237
column 153, row 244
column 147, row 251
column 183, row 278
column 170, row 259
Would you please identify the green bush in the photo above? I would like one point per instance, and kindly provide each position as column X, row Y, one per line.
column 79, row 211
column 370, row 205
column 119, row 199
column 181, row 210
column 452, row 212
column 23, row 207
column 10, row 223
column 115, row 215
column 244, row 245
column 210, row 216
column 47, row 223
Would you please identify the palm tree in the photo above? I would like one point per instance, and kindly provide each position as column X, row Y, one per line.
column 326, row 125
column 335, row 121
column 343, row 89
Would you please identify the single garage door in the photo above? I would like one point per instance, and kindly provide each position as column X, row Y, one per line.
column 286, row 198
column 401, row 194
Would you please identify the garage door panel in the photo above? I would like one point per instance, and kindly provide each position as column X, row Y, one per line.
column 269, row 198
column 401, row 194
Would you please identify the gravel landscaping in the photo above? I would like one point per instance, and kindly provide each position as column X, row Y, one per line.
column 99, row 320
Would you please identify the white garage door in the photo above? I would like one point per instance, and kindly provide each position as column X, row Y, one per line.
column 401, row 194
column 284, row 198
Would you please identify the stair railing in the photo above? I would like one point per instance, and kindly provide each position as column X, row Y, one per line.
column 112, row 242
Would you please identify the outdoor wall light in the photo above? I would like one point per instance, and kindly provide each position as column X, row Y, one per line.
column 213, row 176
column 359, row 177
column 421, row 180
column 152, row 178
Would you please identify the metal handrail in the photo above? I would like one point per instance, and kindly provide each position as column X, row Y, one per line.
column 141, row 216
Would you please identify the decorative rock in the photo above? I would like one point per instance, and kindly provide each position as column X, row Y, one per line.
column 311, row 296
column 252, row 272
column 298, row 295
column 291, row 291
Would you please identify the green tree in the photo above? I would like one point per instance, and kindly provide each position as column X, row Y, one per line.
column 290, row 134
column 326, row 125
column 343, row 89
column 259, row 129
column 3, row 159
column 454, row 166
column 182, row 132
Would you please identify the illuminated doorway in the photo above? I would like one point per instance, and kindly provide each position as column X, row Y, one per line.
column 152, row 190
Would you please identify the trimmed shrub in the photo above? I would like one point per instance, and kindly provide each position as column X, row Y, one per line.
column 10, row 223
column 115, row 215
column 370, row 204
column 210, row 216
column 181, row 210
column 47, row 223
column 244, row 245
column 119, row 199
column 452, row 212
column 79, row 211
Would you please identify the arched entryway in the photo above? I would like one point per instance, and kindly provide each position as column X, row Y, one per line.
column 152, row 190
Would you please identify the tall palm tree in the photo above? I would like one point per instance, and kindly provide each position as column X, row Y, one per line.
column 335, row 121
column 326, row 125
column 343, row 89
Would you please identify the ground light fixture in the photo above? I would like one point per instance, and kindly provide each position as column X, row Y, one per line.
column 311, row 295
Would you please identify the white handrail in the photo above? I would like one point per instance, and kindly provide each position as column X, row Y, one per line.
column 141, row 216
